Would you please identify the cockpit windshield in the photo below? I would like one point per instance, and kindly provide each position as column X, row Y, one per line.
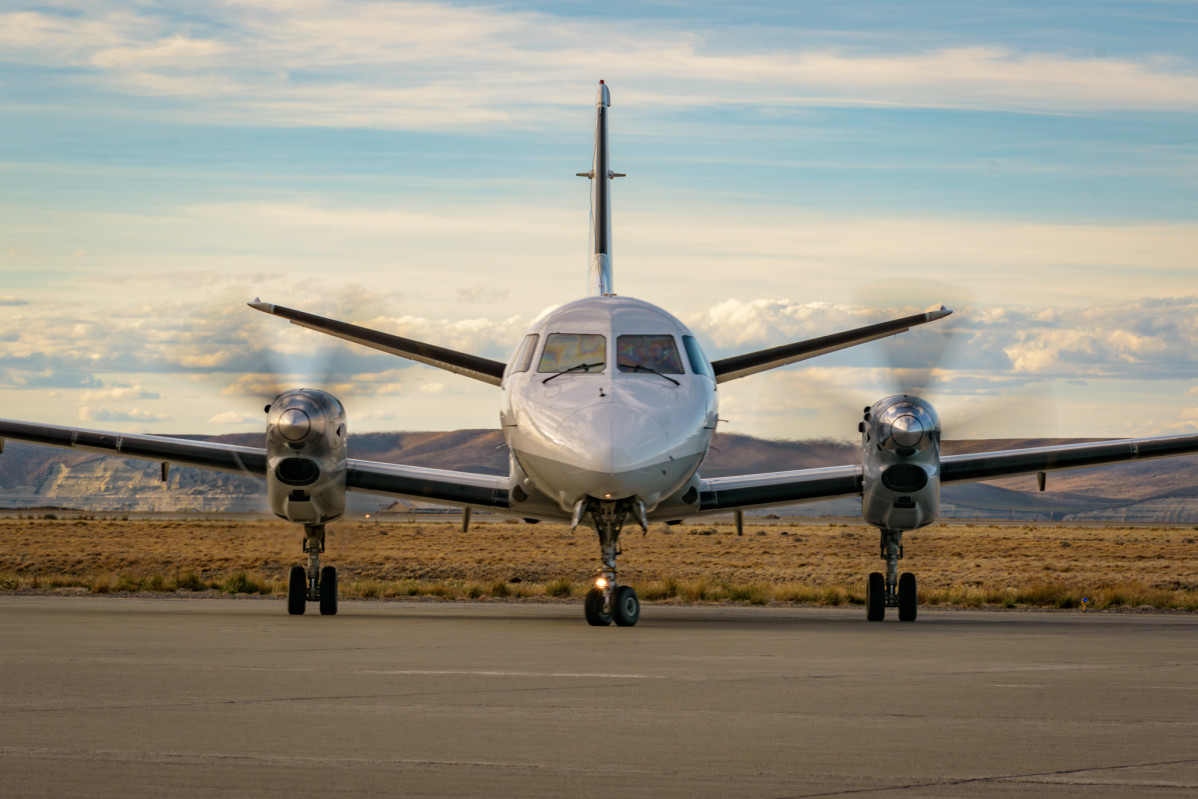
column 579, row 352
column 648, row 354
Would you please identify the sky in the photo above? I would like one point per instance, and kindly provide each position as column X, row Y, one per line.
column 794, row 169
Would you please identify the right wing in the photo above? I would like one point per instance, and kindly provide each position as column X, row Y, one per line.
column 751, row 363
column 431, row 485
column 200, row 454
column 484, row 369
column 409, row 482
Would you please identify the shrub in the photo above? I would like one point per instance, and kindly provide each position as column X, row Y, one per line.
column 242, row 583
column 190, row 582
column 560, row 587
column 129, row 583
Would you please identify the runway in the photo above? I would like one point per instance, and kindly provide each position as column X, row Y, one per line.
column 122, row 697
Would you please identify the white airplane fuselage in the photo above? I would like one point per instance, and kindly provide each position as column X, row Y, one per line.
column 608, row 429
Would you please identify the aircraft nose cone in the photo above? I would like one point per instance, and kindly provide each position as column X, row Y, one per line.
column 615, row 438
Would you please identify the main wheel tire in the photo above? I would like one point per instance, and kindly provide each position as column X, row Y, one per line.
column 625, row 607
column 908, row 597
column 594, row 609
column 875, row 597
column 328, row 591
column 297, row 591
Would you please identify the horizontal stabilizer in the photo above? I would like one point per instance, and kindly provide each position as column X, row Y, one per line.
column 484, row 369
column 753, row 362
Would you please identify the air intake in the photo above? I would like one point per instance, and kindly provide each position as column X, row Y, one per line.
column 297, row 471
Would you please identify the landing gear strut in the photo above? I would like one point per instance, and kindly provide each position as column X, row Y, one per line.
column 609, row 601
column 891, row 590
column 313, row 584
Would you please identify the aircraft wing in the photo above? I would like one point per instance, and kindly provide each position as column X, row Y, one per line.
column 430, row 485
column 722, row 494
column 414, row 482
column 988, row 465
column 185, row 452
column 484, row 369
column 751, row 363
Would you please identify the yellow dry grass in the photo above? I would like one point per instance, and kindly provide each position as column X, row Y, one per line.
column 962, row 565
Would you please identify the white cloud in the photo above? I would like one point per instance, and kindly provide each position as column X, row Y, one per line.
column 417, row 65
column 118, row 393
column 89, row 414
column 237, row 418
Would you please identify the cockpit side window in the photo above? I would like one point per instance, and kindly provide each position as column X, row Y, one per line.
column 523, row 357
column 578, row 352
column 699, row 363
column 648, row 353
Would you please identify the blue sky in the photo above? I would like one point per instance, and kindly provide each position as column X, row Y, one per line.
column 794, row 169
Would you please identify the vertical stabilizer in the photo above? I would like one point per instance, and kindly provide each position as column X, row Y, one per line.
column 600, row 277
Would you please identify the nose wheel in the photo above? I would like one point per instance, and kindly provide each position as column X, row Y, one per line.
column 625, row 607
column 595, row 605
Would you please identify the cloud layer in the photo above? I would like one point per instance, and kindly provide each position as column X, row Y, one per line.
column 416, row 65
column 147, row 369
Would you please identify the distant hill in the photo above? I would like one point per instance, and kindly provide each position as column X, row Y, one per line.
column 1151, row 491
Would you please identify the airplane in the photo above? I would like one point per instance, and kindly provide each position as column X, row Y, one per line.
column 608, row 406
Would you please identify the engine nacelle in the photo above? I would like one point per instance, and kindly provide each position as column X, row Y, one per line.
column 306, row 439
column 900, row 457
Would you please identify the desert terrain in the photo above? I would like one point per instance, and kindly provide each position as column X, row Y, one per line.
column 776, row 561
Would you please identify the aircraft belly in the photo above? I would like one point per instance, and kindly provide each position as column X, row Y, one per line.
column 567, row 480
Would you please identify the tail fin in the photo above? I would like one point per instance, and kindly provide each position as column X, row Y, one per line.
column 600, row 277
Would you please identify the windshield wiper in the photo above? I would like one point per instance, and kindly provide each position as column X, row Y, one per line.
column 574, row 368
column 636, row 367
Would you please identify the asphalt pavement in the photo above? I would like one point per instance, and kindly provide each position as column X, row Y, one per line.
column 129, row 697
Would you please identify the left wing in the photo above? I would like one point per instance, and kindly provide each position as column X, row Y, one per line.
column 413, row 482
column 722, row 494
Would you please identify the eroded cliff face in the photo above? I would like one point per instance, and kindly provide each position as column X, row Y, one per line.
column 1171, row 510
column 1164, row 491
column 117, row 484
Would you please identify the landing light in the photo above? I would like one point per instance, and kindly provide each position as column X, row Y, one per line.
column 601, row 582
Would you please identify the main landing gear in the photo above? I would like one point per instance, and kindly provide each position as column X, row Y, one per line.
column 313, row 584
column 609, row 601
column 891, row 591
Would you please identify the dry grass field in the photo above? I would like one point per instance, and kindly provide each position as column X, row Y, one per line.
column 961, row 565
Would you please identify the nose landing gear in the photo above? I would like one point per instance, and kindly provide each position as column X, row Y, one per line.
column 609, row 601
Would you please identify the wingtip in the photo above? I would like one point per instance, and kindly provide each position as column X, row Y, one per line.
column 259, row 305
column 937, row 313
